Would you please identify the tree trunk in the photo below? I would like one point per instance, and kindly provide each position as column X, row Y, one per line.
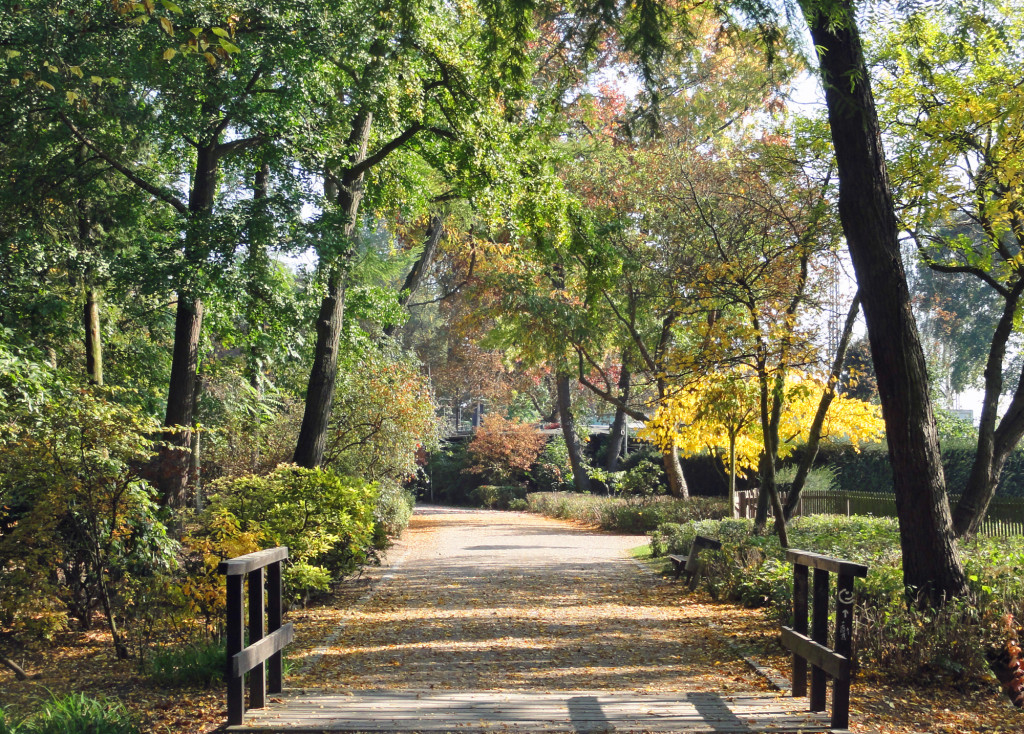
column 195, row 475
column 674, row 473
column 814, row 434
column 413, row 281
column 309, row 450
column 931, row 559
column 733, row 509
column 93, row 343
column 617, row 431
column 580, row 477
column 172, row 478
column 994, row 443
column 173, row 463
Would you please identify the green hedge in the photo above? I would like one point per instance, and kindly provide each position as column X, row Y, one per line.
column 624, row 515
column 869, row 470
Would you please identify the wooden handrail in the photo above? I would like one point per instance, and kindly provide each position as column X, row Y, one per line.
column 826, row 662
column 263, row 655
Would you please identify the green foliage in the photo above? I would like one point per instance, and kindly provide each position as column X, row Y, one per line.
column 498, row 498
column 954, row 429
column 642, row 480
column 447, row 472
column 391, row 513
column 869, row 469
column 78, row 526
column 819, row 479
column 892, row 638
column 199, row 664
column 552, row 471
column 383, row 413
column 325, row 519
column 634, row 515
column 75, row 713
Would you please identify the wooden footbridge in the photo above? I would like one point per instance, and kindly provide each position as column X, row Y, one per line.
column 504, row 623
column 525, row 711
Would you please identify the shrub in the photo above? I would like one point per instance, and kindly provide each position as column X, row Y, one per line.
column 79, row 528
column 642, row 480
column 633, row 515
column 326, row 520
column 503, row 450
column 447, row 473
column 892, row 637
column 552, row 471
column 498, row 498
column 200, row 664
column 391, row 514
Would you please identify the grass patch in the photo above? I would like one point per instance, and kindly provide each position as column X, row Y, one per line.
column 189, row 665
column 76, row 713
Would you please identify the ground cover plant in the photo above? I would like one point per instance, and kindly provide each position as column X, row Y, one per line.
column 894, row 639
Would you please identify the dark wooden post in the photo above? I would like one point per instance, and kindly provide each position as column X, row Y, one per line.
column 275, row 671
column 236, row 632
column 844, row 647
column 799, row 625
column 257, row 676
column 819, row 633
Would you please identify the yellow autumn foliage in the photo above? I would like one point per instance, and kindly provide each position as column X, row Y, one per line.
column 718, row 409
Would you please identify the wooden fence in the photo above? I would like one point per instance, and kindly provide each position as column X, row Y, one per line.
column 265, row 642
column 827, row 660
column 1005, row 516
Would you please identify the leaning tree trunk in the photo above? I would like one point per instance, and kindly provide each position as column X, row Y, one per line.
column 580, row 477
column 419, row 270
column 814, row 434
column 312, row 442
column 617, row 430
column 931, row 559
column 994, row 443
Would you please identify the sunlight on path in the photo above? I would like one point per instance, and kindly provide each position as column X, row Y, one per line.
column 509, row 601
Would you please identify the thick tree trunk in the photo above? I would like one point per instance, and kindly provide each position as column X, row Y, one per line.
column 677, row 486
column 994, row 443
column 172, row 477
column 93, row 343
column 173, row 461
column 814, row 434
column 309, row 450
column 931, row 560
column 580, row 477
column 617, row 431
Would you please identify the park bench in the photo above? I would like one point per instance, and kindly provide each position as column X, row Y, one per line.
column 690, row 563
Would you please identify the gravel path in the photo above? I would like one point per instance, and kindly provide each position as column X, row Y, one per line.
column 509, row 601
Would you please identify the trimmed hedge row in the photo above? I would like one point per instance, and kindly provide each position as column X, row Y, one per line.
column 869, row 470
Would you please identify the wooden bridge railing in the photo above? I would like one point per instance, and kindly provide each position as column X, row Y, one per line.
column 265, row 643
column 833, row 662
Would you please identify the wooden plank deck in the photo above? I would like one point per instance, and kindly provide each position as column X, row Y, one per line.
column 524, row 711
